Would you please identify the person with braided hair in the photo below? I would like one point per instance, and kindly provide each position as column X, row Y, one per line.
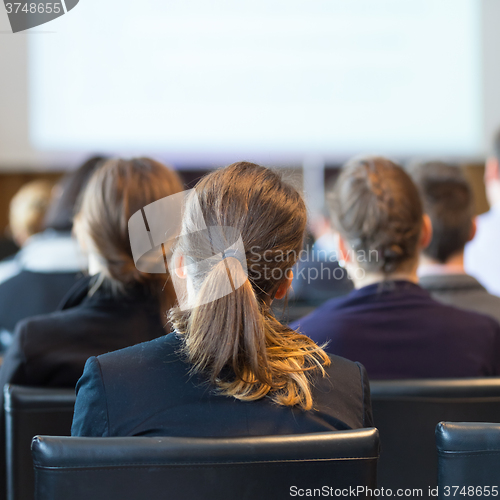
column 389, row 323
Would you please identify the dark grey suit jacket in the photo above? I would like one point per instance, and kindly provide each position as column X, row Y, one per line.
column 463, row 291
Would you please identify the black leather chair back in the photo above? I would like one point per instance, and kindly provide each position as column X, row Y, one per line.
column 173, row 468
column 468, row 457
column 406, row 413
column 30, row 411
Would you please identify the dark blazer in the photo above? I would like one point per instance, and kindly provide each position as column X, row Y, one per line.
column 51, row 350
column 37, row 278
column 398, row 331
column 146, row 390
column 462, row 290
column 30, row 294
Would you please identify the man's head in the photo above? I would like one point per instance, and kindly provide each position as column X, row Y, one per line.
column 448, row 201
column 492, row 172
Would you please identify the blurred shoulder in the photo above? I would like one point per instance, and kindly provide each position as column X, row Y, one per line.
column 45, row 325
column 467, row 318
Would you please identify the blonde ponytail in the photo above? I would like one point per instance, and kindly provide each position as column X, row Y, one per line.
column 234, row 340
column 225, row 332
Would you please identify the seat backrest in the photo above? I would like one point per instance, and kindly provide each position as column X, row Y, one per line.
column 173, row 468
column 30, row 411
column 406, row 413
column 468, row 458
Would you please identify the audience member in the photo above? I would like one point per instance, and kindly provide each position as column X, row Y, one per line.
column 324, row 240
column 117, row 305
column 229, row 368
column 319, row 277
column 389, row 323
column 51, row 263
column 481, row 254
column 448, row 201
column 26, row 215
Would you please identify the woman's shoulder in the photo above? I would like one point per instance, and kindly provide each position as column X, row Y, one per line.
column 345, row 370
column 345, row 391
column 343, row 379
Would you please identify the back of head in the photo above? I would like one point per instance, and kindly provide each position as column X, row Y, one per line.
column 116, row 190
column 68, row 193
column 448, row 201
column 28, row 208
column 376, row 209
column 234, row 339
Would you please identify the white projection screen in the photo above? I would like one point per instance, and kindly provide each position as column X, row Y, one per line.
column 282, row 78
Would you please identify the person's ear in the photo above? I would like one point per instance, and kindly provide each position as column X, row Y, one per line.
column 284, row 286
column 492, row 170
column 473, row 229
column 178, row 261
column 343, row 248
column 426, row 232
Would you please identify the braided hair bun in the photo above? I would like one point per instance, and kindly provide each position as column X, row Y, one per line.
column 376, row 208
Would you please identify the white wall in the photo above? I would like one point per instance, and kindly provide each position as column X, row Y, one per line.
column 16, row 152
column 491, row 70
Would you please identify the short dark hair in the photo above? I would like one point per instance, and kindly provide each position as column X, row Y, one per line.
column 448, row 201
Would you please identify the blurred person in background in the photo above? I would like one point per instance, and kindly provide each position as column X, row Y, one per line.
column 318, row 276
column 448, row 201
column 50, row 263
column 389, row 323
column 26, row 218
column 482, row 253
column 324, row 240
column 117, row 305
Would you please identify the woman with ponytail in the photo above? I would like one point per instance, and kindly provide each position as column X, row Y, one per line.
column 229, row 368
column 116, row 306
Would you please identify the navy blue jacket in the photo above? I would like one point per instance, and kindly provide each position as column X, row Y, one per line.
column 398, row 331
column 147, row 390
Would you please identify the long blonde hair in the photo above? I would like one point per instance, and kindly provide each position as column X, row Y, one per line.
column 235, row 340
